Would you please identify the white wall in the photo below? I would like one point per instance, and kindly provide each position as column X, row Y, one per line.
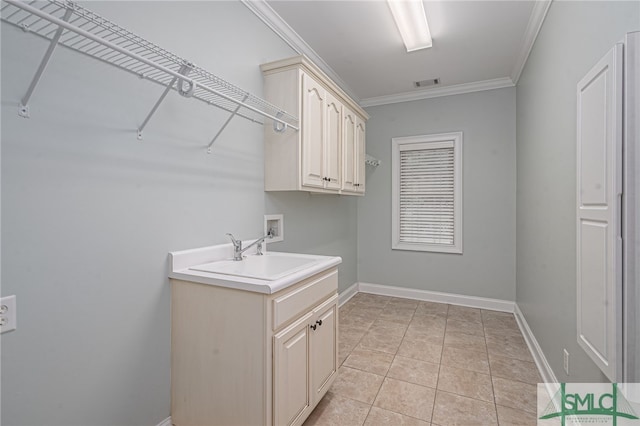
column 575, row 35
column 89, row 213
column 487, row 266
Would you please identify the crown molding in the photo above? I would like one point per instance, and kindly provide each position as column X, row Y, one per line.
column 458, row 89
column 275, row 22
column 538, row 14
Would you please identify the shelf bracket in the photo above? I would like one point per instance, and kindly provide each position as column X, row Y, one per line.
column 279, row 126
column 191, row 84
column 24, row 103
column 155, row 107
column 370, row 160
column 233, row 114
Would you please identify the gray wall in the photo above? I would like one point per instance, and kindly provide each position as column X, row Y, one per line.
column 575, row 35
column 89, row 213
column 487, row 266
column 319, row 224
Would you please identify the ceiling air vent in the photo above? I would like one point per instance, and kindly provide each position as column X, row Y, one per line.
column 426, row 83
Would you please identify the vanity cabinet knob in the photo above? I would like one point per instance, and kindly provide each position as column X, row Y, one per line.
column 319, row 322
column 313, row 327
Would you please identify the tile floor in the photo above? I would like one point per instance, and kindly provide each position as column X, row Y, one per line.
column 406, row 362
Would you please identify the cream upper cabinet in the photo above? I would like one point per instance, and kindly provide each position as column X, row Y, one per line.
column 314, row 158
column 361, row 153
column 353, row 153
column 348, row 151
column 313, row 128
column 332, row 140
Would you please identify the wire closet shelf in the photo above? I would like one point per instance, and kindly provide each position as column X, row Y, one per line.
column 70, row 25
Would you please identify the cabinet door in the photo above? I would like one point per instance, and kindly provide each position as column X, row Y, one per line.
column 349, row 151
column 333, row 137
column 324, row 347
column 313, row 132
column 360, row 153
column 291, row 397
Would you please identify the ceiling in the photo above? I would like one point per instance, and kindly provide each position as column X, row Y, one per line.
column 477, row 45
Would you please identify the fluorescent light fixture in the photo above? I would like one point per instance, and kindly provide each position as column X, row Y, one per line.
column 412, row 23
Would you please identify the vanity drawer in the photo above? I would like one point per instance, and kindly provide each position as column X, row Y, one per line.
column 296, row 301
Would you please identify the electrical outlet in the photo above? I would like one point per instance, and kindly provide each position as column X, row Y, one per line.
column 8, row 314
column 566, row 362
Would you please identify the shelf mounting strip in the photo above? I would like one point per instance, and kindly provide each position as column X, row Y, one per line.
column 67, row 24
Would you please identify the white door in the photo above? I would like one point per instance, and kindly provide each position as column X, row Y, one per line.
column 631, row 206
column 599, row 192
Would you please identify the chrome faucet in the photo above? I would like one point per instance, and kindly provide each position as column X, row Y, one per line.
column 237, row 246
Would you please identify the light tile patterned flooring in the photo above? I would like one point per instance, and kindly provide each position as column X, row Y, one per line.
column 405, row 362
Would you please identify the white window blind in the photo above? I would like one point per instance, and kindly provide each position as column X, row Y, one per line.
column 427, row 193
column 426, row 196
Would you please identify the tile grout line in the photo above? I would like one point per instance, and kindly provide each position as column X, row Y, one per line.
column 444, row 336
column 493, row 392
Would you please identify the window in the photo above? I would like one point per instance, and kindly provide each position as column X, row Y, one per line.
column 427, row 193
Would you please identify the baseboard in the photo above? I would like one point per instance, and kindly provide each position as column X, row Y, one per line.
column 547, row 374
column 166, row 422
column 347, row 294
column 434, row 296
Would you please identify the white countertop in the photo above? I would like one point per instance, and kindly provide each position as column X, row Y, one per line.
column 183, row 261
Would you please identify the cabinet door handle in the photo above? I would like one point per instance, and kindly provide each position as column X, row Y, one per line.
column 313, row 327
column 319, row 322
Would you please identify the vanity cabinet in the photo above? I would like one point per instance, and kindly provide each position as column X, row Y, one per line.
column 323, row 156
column 248, row 358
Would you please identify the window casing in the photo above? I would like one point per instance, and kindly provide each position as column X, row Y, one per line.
column 427, row 193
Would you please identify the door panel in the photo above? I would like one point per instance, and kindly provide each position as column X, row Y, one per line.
column 324, row 355
column 593, row 152
column 334, row 136
column 594, row 247
column 349, row 151
column 599, row 191
column 313, row 128
column 291, row 398
column 360, row 155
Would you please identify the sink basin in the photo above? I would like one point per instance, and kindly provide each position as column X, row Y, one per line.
column 270, row 266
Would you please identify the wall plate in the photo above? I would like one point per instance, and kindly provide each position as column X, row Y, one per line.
column 275, row 224
column 8, row 316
